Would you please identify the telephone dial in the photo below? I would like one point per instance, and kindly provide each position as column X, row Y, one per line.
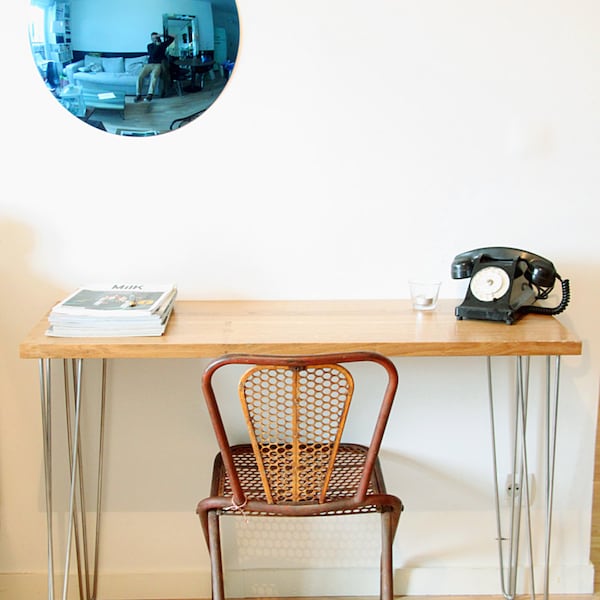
column 506, row 283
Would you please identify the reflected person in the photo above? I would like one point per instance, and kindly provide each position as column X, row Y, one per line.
column 156, row 55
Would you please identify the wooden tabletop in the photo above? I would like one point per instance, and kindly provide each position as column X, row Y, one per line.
column 206, row 329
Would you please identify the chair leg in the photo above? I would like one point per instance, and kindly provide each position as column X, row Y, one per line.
column 216, row 560
column 387, row 570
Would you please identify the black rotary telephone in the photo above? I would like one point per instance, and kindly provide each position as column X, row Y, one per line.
column 505, row 284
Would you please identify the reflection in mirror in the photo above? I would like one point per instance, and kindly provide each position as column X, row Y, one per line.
column 135, row 67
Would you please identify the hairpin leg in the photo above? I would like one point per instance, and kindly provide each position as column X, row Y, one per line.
column 81, row 497
column 74, row 462
column 522, row 476
column 77, row 530
column 46, row 400
column 520, row 480
column 551, row 429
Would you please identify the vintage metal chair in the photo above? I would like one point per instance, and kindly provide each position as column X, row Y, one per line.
column 176, row 75
column 296, row 464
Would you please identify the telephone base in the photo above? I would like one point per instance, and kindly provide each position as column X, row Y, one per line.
column 486, row 313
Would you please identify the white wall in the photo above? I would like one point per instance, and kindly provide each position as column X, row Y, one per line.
column 356, row 144
column 114, row 26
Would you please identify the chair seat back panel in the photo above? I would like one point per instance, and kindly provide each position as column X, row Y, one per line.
column 295, row 419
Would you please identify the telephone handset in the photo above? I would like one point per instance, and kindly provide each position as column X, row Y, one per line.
column 505, row 284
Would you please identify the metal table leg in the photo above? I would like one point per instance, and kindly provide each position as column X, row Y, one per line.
column 552, row 387
column 46, row 396
column 76, row 519
column 520, row 475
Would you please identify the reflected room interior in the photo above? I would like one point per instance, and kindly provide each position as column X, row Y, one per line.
column 91, row 54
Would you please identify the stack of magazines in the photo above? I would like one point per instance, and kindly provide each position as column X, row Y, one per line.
column 113, row 310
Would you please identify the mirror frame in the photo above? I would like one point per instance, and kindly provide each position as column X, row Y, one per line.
column 63, row 67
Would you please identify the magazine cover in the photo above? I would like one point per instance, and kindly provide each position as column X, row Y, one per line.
column 126, row 299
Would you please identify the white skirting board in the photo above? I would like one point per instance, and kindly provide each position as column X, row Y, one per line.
column 576, row 579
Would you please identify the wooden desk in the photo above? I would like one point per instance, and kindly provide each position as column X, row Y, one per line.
column 205, row 329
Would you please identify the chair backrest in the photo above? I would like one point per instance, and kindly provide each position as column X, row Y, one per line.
column 295, row 409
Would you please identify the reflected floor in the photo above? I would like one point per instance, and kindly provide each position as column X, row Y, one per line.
column 161, row 112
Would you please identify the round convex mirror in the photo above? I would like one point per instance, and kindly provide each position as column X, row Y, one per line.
column 135, row 67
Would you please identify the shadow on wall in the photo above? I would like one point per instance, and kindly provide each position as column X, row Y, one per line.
column 585, row 290
column 25, row 296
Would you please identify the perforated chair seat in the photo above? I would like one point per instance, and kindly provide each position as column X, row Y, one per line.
column 345, row 479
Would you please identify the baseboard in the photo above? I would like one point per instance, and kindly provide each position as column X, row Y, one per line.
column 124, row 586
column 576, row 579
column 298, row 582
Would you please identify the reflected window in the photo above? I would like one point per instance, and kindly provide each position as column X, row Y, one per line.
column 37, row 36
column 37, row 33
column 131, row 71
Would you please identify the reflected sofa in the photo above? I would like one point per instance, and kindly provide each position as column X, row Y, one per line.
column 97, row 74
